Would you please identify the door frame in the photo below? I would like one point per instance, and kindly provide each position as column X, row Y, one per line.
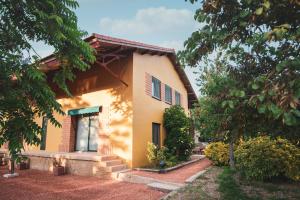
column 88, row 143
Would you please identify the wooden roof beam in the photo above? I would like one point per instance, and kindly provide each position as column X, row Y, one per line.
column 116, row 76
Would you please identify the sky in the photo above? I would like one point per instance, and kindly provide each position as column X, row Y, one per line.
column 166, row 23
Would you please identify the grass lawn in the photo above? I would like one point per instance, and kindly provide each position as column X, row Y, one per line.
column 223, row 183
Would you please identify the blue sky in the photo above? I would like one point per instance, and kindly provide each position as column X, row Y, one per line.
column 165, row 23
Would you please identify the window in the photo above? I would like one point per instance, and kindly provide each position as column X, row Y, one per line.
column 156, row 88
column 177, row 98
column 87, row 132
column 156, row 134
column 168, row 94
column 44, row 133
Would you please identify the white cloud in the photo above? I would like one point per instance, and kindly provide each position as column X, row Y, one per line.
column 152, row 22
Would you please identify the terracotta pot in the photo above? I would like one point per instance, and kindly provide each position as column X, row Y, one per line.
column 58, row 170
column 3, row 162
column 22, row 166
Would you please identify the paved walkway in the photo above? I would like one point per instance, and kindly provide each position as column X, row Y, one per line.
column 36, row 185
column 176, row 176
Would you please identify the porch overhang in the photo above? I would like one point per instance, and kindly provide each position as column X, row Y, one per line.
column 82, row 111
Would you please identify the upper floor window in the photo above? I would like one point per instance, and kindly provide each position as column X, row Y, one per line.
column 177, row 98
column 156, row 88
column 168, row 94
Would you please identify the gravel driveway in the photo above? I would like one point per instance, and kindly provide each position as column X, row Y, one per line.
column 33, row 184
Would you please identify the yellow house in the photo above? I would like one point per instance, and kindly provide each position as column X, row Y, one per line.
column 118, row 104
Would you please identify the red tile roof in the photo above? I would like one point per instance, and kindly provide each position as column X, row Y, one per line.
column 131, row 43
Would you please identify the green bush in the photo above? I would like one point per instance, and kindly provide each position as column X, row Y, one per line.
column 218, row 153
column 263, row 158
column 178, row 140
column 175, row 117
column 156, row 154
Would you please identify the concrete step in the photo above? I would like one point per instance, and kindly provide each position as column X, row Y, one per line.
column 108, row 157
column 113, row 162
column 116, row 168
column 164, row 187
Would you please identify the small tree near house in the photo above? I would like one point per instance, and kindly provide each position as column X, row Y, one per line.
column 178, row 140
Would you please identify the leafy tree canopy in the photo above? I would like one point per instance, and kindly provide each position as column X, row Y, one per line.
column 251, row 53
column 24, row 90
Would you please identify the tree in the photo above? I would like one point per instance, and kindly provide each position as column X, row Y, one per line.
column 257, row 42
column 24, row 88
column 179, row 141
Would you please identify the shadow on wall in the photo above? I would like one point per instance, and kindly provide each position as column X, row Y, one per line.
column 74, row 102
column 121, row 120
column 115, row 126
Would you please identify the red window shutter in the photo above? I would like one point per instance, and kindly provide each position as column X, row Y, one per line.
column 162, row 90
column 148, row 84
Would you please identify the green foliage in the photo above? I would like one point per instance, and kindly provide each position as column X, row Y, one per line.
column 228, row 186
column 251, row 53
column 24, row 88
column 152, row 153
column 178, row 140
column 175, row 117
column 218, row 153
column 157, row 154
column 263, row 158
column 22, row 159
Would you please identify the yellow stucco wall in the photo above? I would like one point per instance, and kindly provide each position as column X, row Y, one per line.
column 96, row 87
column 131, row 110
column 147, row 109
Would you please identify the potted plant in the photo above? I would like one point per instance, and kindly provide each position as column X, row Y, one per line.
column 58, row 169
column 2, row 159
column 23, row 163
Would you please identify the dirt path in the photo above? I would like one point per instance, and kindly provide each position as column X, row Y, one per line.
column 205, row 187
column 178, row 175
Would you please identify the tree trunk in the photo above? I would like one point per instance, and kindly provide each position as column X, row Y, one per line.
column 12, row 166
column 231, row 154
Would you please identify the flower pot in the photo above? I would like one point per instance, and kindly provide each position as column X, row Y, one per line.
column 3, row 162
column 23, row 166
column 58, row 170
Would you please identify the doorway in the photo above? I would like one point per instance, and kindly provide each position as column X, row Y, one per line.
column 87, row 133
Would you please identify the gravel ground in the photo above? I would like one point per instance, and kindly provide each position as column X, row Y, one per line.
column 179, row 175
column 33, row 184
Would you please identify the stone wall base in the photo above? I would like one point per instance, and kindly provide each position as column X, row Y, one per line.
column 72, row 166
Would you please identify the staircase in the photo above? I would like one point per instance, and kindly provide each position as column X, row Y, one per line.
column 112, row 163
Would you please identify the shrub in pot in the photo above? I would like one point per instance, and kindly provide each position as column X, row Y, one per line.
column 156, row 156
column 3, row 161
column 22, row 163
column 58, row 169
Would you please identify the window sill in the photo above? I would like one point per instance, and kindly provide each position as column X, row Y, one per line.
column 154, row 97
column 170, row 103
